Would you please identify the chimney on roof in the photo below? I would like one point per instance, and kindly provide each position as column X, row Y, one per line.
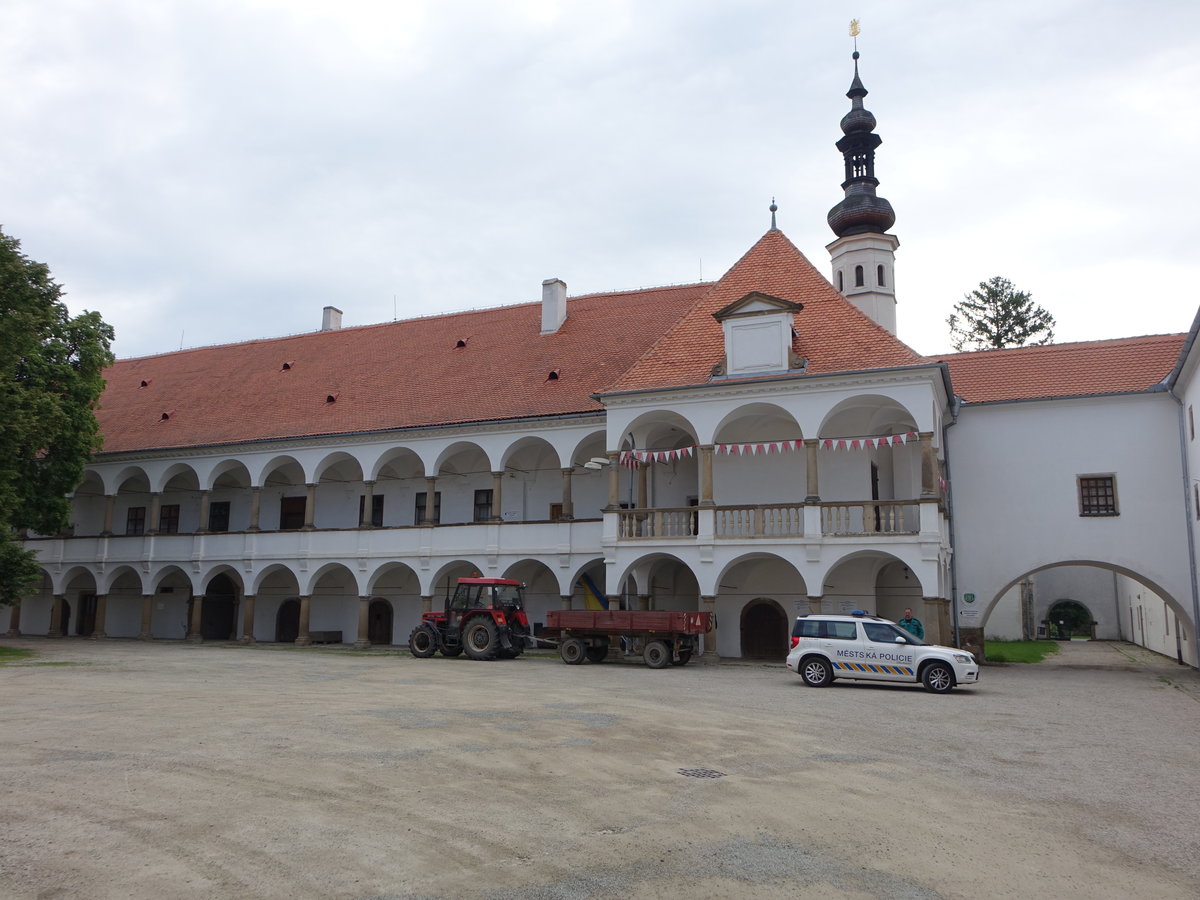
column 554, row 304
column 331, row 318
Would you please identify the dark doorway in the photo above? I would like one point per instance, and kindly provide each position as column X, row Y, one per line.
column 287, row 621
column 85, row 621
column 218, row 614
column 1069, row 618
column 764, row 630
column 64, row 627
column 379, row 622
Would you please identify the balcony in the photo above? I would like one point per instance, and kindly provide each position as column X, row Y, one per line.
column 775, row 521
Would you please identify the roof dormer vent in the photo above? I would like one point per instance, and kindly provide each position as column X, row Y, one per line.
column 553, row 376
column 332, row 397
column 145, row 382
column 460, row 343
column 287, row 366
column 166, row 415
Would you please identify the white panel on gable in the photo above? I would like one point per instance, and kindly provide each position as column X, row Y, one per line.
column 756, row 346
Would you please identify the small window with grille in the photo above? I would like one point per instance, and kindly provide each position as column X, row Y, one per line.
column 1098, row 495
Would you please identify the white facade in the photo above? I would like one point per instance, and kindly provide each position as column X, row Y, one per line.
column 1015, row 469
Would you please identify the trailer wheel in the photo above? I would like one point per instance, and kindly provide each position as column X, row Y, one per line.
column 480, row 638
column 685, row 657
column 422, row 643
column 597, row 653
column 573, row 651
column 657, row 655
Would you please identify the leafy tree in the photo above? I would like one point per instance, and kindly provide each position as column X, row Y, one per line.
column 997, row 315
column 50, row 384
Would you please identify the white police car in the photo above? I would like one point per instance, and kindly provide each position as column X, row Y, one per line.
column 873, row 649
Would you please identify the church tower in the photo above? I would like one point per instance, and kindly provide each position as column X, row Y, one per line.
column 864, row 254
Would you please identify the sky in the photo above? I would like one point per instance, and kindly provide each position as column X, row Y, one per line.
column 213, row 171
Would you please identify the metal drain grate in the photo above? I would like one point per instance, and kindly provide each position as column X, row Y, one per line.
column 701, row 773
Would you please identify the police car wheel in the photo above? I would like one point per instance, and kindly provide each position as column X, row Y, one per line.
column 938, row 678
column 816, row 672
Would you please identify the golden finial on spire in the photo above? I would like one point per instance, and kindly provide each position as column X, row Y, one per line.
column 854, row 29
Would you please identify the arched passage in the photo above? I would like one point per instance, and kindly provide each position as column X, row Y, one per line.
column 1121, row 604
column 380, row 618
column 764, row 630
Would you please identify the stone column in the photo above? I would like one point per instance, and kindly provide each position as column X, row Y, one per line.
column 706, row 475
column 152, row 525
column 147, row 616
column 255, row 507
column 927, row 465
column 565, row 601
column 810, row 471
column 614, row 480
column 497, row 485
column 568, row 504
column 101, row 614
column 248, row 620
column 310, row 507
column 110, row 508
column 430, row 496
column 14, row 622
column 195, row 632
column 56, row 612
column 643, row 601
column 814, row 606
column 426, row 604
column 710, row 657
column 303, row 639
column 368, row 505
column 364, row 621
column 202, row 526
column 937, row 620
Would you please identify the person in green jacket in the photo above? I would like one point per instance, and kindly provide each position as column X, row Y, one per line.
column 911, row 625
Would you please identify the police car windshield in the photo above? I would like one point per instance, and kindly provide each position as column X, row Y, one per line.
column 886, row 633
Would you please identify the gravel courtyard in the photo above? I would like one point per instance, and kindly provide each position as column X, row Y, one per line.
column 173, row 770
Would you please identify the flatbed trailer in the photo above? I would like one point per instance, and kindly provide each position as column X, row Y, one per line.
column 664, row 637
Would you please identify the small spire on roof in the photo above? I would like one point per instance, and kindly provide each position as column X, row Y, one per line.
column 773, row 208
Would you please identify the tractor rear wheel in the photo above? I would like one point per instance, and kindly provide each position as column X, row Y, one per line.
column 657, row 655
column 422, row 643
column 480, row 639
column 573, row 651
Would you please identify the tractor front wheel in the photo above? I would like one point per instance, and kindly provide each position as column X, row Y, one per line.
column 422, row 643
column 480, row 639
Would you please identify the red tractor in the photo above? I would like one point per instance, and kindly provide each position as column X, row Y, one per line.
column 485, row 618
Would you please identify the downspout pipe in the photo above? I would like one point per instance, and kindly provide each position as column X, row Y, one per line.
column 955, row 407
column 1189, row 518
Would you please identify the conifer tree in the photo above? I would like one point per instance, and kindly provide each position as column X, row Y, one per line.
column 997, row 315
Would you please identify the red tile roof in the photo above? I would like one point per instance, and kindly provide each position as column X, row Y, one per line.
column 1118, row 366
column 831, row 332
column 395, row 375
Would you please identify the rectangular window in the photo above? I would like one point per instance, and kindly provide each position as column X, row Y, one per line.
column 376, row 509
column 291, row 513
column 135, row 520
column 168, row 519
column 483, row 506
column 218, row 516
column 1098, row 495
column 555, row 512
column 841, row 631
column 419, row 510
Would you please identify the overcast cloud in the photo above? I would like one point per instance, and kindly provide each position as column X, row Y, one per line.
column 208, row 172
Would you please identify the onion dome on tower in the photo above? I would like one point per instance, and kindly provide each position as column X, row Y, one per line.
column 863, row 254
column 861, row 211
